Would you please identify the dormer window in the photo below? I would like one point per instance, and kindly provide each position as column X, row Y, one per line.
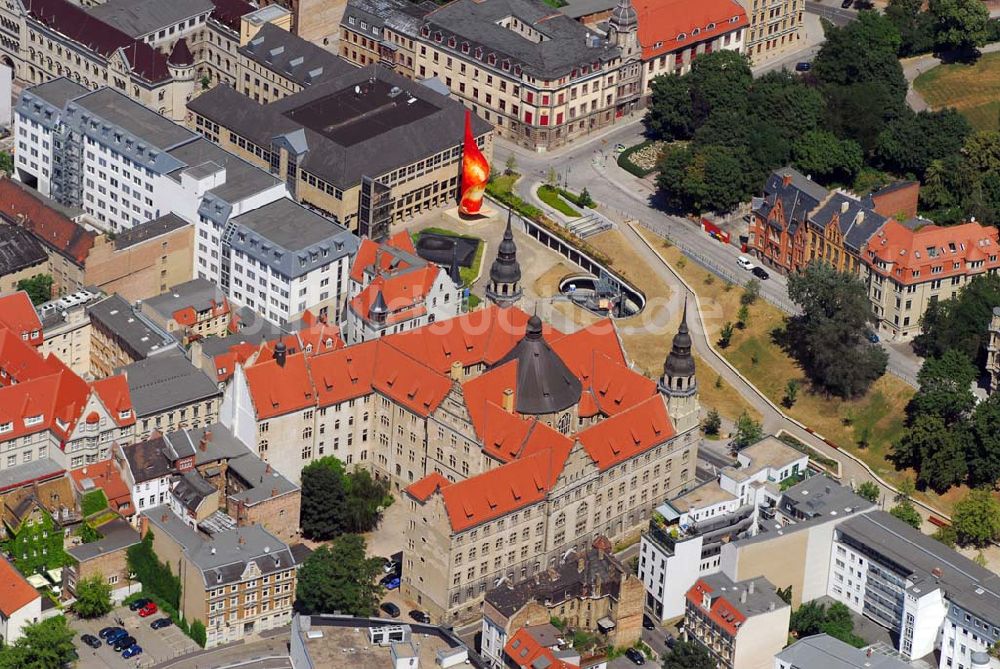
column 452, row 42
column 492, row 59
column 735, row 19
column 696, row 31
column 124, row 414
column 438, row 36
column 710, row 26
column 33, row 420
column 465, row 47
column 6, row 427
column 681, row 37
column 425, row 31
column 479, row 53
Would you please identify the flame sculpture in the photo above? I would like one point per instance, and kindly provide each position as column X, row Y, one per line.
column 475, row 173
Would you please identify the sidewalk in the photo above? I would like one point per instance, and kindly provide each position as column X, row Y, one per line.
column 917, row 65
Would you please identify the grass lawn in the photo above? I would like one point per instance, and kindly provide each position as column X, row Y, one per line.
column 879, row 414
column 470, row 273
column 504, row 183
column 550, row 196
column 972, row 89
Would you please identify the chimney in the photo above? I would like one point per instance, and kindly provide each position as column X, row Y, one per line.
column 267, row 469
column 274, row 492
column 581, row 563
column 456, row 371
column 844, row 206
column 751, row 587
column 242, row 540
column 508, row 400
column 860, row 218
column 770, row 606
column 280, row 353
column 164, row 518
column 143, row 526
column 786, row 180
column 937, row 573
column 743, row 596
column 204, row 441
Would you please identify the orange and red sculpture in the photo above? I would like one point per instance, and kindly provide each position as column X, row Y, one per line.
column 475, row 173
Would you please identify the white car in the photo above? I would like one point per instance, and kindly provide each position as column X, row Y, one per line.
column 745, row 263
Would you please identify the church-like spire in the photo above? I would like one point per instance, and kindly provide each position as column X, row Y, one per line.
column 679, row 363
column 623, row 16
column 505, row 272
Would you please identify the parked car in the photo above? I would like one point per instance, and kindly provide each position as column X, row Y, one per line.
column 803, row 66
column 148, row 610
column 745, row 263
column 115, row 636
column 391, row 566
column 132, row 651
column 390, row 609
column 91, row 640
column 846, row 4
column 635, row 655
column 619, row 148
column 108, row 631
column 124, row 643
column 138, row 604
column 420, row 617
column 648, row 623
column 761, row 273
column 161, row 622
column 873, row 338
column 390, row 582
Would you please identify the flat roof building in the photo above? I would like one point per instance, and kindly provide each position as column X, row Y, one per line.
column 823, row 651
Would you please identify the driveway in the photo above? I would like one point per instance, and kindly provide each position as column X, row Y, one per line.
column 157, row 645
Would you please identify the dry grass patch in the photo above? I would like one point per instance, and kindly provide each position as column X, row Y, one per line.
column 972, row 89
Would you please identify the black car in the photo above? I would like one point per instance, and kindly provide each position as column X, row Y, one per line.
column 420, row 617
column 138, row 604
column 91, row 640
column 390, row 609
column 846, row 4
column 161, row 622
column 635, row 655
column 647, row 623
column 760, row 273
column 803, row 66
column 107, row 631
column 123, row 643
column 671, row 641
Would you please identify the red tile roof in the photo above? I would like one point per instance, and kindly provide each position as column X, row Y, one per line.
column 106, row 477
column 345, row 374
column 720, row 611
column 280, row 389
column 410, row 383
column 427, row 486
column 50, row 227
column 18, row 314
column 628, row 433
column 662, row 22
column 114, row 395
column 369, row 251
column 910, row 256
column 15, row 591
column 524, row 650
column 79, row 26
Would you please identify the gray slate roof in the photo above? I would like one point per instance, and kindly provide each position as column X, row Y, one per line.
column 824, row 652
column 363, row 143
column 291, row 239
column 191, row 489
column 821, row 496
column 201, row 294
column 165, row 382
column 233, row 549
column 757, row 602
column 138, row 18
column 149, row 230
column 135, row 118
column 262, row 481
column 964, row 582
column 36, row 470
column 292, row 57
column 857, row 222
column 800, row 197
column 579, row 8
column 242, row 178
column 116, row 315
column 147, row 460
column 19, row 250
column 118, row 534
column 565, row 45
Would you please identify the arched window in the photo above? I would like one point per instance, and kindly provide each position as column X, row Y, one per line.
column 307, row 433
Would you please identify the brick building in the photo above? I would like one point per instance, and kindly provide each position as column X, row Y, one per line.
column 193, row 310
column 105, row 558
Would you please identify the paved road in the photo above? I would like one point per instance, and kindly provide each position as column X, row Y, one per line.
column 832, row 11
column 914, row 67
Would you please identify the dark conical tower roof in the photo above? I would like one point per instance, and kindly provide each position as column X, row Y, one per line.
column 506, row 269
column 624, row 16
column 545, row 384
column 680, row 362
column 181, row 55
column 379, row 309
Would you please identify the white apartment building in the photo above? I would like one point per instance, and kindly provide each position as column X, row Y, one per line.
column 686, row 536
column 934, row 598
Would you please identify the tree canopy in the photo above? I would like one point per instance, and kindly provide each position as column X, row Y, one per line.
column 44, row 645
column 38, row 287
column 820, row 154
column 959, row 323
column 688, row 655
column 829, row 338
column 338, row 577
column 93, row 597
column 976, row 518
column 335, row 501
column 816, row 618
column 912, row 142
column 959, row 24
column 869, row 490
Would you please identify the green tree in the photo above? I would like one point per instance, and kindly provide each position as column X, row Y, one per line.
column 959, row 24
column 712, row 423
column 155, row 576
column 748, row 431
column 743, row 316
column 808, row 619
column 93, row 597
column 840, row 625
column 935, row 450
column 323, row 499
column 44, row 645
column 916, row 27
column 38, row 287
column 751, row 291
column 830, row 336
column 862, row 51
column 976, row 518
column 88, row 534
column 789, row 106
column 912, row 142
column 688, row 655
column 984, row 453
column 946, row 535
column 945, row 389
column 6, row 162
column 710, row 178
column 860, row 111
column 906, row 512
column 791, row 393
column 585, row 200
column 510, row 165
column 726, row 334
column 869, row 490
column 959, row 323
column 719, row 81
column 338, row 577
column 669, row 115
column 552, row 177
column 198, row 633
column 827, row 158
column 205, row 83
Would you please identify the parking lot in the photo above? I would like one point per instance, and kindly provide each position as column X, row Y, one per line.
column 157, row 645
